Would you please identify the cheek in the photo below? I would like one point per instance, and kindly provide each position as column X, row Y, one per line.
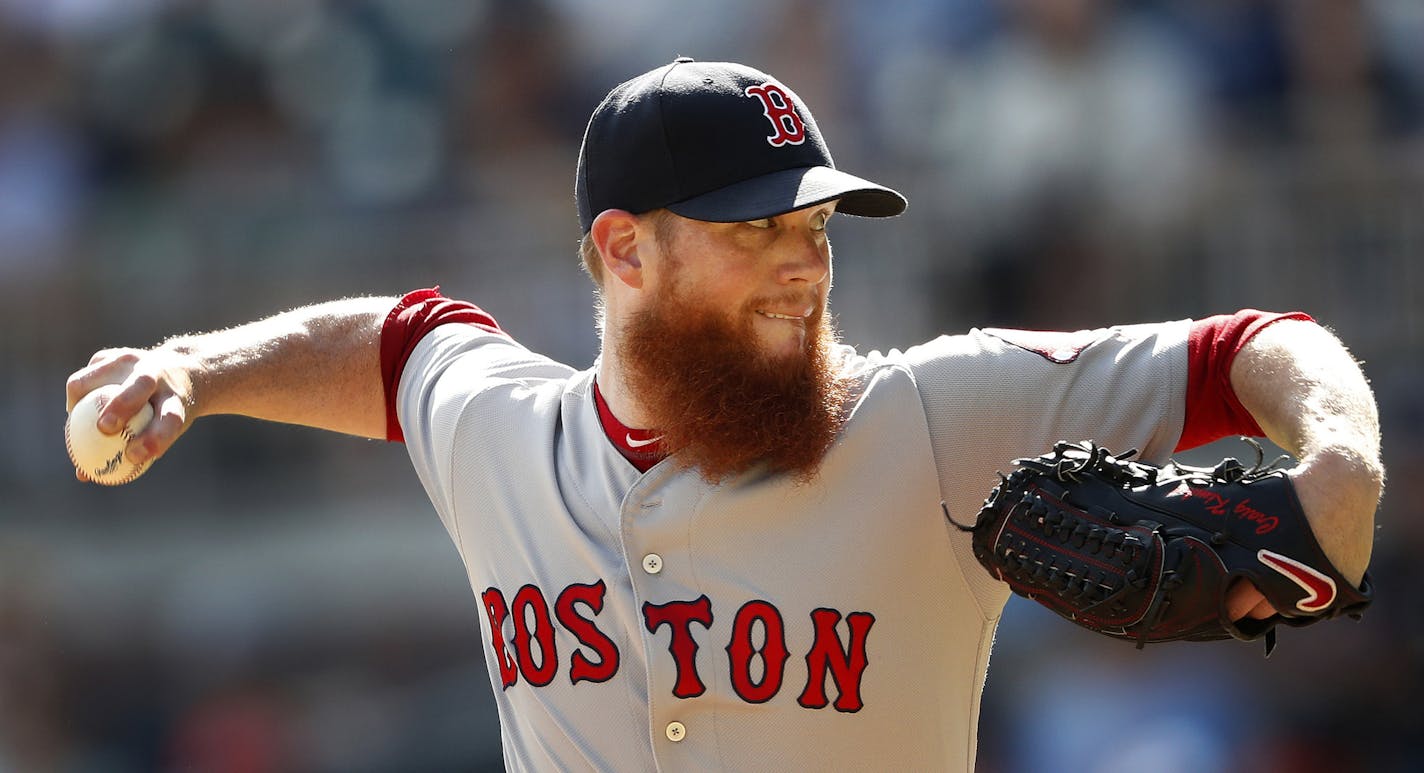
column 727, row 289
column 693, row 291
column 715, row 274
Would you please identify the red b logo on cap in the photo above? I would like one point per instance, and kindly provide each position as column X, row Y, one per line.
column 787, row 128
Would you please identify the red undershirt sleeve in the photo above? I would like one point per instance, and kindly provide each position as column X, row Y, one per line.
column 1213, row 410
column 416, row 314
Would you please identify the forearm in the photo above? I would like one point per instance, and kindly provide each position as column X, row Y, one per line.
column 317, row 366
column 1311, row 398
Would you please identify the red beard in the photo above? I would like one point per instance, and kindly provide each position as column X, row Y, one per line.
column 722, row 405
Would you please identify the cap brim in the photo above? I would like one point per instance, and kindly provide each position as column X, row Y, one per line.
column 792, row 189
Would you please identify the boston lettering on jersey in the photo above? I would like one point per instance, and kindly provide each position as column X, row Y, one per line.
column 535, row 655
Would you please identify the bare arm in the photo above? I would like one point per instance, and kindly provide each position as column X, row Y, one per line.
column 317, row 366
column 1311, row 398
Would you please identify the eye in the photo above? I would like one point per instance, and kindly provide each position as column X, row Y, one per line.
column 762, row 223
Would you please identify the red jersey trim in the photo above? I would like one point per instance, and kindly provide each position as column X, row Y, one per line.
column 414, row 315
column 1213, row 410
column 639, row 446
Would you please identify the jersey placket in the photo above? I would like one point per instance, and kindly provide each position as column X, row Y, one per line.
column 675, row 611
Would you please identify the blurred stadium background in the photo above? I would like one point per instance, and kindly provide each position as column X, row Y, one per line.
column 275, row 599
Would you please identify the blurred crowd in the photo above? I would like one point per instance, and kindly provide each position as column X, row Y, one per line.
column 278, row 599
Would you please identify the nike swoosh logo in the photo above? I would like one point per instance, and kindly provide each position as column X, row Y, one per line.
column 1319, row 589
column 640, row 443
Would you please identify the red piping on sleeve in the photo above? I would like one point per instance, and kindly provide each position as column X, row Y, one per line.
column 1213, row 410
column 414, row 315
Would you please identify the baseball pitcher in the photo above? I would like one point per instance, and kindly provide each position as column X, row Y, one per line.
column 736, row 543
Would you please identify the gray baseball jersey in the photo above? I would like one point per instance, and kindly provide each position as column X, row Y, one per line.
column 642, row 621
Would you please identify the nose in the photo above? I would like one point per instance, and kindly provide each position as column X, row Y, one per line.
column 806, row 257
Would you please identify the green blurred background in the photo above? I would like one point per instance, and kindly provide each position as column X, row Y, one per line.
column 277, row 599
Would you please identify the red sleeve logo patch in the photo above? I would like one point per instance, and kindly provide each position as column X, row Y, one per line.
column 1054, row 346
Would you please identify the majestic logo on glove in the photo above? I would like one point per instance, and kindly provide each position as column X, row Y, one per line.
column 1319, row 589
column 787, row 128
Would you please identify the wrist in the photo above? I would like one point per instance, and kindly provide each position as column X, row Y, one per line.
column 1339, row 489
column 183, row 369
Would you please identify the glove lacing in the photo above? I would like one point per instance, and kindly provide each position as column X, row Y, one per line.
column 1074, row 581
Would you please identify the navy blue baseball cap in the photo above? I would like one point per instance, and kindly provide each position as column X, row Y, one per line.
column 713, row 141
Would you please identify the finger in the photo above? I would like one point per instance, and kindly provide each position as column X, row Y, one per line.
column 104, row 354
column 74, row 388
column 1263, row 610
column 161, row 433
column 1242, row 599
column 137, row 391
column 110, row 366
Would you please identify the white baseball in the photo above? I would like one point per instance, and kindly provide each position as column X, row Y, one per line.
column 100, row 456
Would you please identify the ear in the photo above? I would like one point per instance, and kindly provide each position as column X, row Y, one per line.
column 616, row 234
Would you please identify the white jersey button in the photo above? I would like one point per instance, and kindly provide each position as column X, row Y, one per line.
column 676, row 732
column 652, row 563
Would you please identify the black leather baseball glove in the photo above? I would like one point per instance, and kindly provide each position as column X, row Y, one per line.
column 1147, row 553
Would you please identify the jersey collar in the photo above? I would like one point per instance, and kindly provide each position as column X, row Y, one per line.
column 641, row 447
